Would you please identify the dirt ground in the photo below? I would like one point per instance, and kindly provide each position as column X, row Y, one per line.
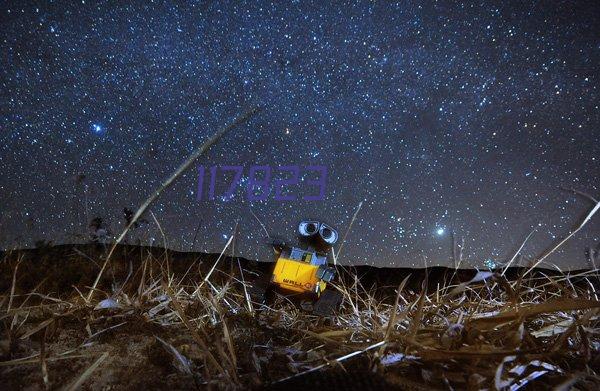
column 159, row 320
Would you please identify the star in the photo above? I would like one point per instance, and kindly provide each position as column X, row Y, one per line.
column 98, row 129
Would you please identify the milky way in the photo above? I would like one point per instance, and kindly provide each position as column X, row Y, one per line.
column 458, row 126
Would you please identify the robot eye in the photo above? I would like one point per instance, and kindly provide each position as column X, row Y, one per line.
column 308, row 228
column 329, row 235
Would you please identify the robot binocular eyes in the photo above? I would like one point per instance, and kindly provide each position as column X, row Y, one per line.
column 311, row 228
column 308, row 228
column 328, row 234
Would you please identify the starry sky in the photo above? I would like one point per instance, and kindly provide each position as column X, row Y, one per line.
column 456, row 124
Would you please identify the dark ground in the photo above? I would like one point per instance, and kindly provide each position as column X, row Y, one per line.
column 51, row 335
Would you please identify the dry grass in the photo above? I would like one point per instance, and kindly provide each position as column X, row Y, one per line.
column 180, row 329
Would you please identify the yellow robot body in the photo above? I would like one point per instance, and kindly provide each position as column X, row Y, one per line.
column 305, row 271
column 297, row 276
column 302, row 271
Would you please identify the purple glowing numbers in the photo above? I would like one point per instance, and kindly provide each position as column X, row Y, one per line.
column 280, row 184
column 262, row 184
column 236, row 180
column 320, row 182
column 213, row 179
column 260, row 179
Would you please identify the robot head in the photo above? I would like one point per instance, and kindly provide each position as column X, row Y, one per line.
column 318, row 235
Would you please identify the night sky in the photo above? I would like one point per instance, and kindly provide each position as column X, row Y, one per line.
column 448, row 121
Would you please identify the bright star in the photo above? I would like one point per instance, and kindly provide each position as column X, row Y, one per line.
column 440, row 231
column 97, row 129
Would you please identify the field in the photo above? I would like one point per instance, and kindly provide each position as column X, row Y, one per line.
column 159, row 319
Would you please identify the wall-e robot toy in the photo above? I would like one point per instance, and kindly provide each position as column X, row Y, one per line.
column 304, row 270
